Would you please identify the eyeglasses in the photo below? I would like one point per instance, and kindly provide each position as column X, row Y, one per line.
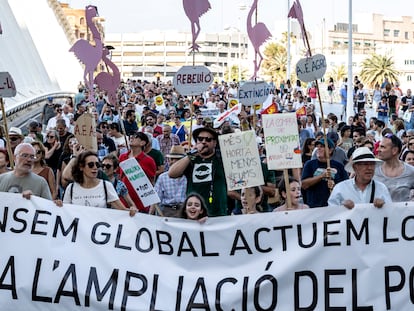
column 200, row 139
column 27, row 156
column 106, row 166
column 92, row 164
column 50, row 136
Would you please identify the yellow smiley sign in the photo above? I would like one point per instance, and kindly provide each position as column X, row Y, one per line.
column 233, row 102
column 159, row 100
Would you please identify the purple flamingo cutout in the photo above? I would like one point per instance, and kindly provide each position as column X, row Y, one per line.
column 88, row 54
column 107, row 81
column 194, row 9
column 258, row 34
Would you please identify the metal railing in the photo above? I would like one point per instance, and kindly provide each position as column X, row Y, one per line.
column 21, row 112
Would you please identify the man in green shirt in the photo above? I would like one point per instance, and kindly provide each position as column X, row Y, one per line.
column 204, row 170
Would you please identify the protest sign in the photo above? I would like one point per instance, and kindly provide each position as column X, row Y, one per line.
column 192, row 80
column 254, row 92
column 79, row 258
column 282, row 141
column 241, row 160
column 309, row 69
column 85, row 131
column 139, row 181
column 7, row 87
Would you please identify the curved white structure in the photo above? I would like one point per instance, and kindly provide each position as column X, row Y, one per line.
column 35, row 51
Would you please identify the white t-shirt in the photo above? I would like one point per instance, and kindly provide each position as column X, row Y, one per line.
column 90, row 196
column 52, row 123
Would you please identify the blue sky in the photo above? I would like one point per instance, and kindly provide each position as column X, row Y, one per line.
column 140, row 15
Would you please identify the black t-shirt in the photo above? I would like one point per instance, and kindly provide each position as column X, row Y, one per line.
column 392, row 99
column 53, row 161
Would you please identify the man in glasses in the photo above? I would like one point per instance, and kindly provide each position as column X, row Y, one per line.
column 204, row 171
column 22, row 179
column 394, row 173
column 51, row 124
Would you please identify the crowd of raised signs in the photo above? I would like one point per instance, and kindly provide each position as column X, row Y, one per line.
column 168, row 119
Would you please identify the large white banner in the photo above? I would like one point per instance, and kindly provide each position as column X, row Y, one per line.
column 84, row 258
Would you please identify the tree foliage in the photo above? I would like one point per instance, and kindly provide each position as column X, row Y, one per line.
column 338, row 73
column 375, row 68
column 275, row 61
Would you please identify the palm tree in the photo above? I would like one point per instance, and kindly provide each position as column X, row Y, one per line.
column 375, row 68
column 275, row 60
column 338, row 73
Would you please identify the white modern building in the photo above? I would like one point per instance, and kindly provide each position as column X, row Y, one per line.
column 153, row 53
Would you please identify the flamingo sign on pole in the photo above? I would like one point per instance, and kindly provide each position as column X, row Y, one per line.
column 194, row 9
column 88, row 54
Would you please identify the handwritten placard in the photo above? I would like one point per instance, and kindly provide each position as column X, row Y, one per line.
column 282, row 141
column 85, row 131
column 241, row 160
column 311, row 68
column 7, row 87
column 140, row 182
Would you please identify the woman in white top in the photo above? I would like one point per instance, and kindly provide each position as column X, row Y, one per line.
column 87, row 189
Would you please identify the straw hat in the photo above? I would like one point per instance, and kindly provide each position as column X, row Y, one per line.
column 361, row 154
column 176, row 152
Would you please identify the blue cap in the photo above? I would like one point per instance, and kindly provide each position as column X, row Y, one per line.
column 50, row 98
column 322, row 142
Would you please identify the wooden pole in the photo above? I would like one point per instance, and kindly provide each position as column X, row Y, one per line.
column 287, row 187
column 328, row 164
column 9, row 151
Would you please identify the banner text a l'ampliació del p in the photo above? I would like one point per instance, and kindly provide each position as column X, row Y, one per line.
column 83, row 258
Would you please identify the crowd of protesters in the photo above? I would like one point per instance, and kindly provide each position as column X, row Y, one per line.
column 177, row 147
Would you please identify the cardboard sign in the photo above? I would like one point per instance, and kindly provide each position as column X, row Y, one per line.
column 192, row 80
column 241, row 160
column 139, row 181
column 7, row 87
column 254, row 92
column 311, row 68
column 282, row 141
column 85, row 131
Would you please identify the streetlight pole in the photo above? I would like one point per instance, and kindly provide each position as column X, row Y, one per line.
column 288, row 45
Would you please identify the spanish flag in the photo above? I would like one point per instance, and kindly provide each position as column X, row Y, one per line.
column 269, row 107
column 301, row 112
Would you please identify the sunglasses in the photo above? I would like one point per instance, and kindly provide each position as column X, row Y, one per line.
column 410, row 144
column 14, row 138
column 200, row 139
column 106, row 166
column 39, row 152
column 48, row 136
column 93, row 164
